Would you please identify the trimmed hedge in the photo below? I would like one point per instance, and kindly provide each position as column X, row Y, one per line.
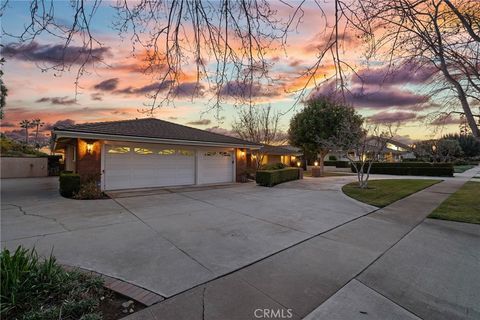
column 342, row 164
column 410, row 169
column 269, row 178
column 336, row 163
column 69, row 184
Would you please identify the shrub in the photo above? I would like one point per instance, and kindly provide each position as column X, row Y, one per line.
column 269, row 178
column 273, row 166
column 69, row 184
column 89, row 190
column 34, row 288
column 410, row 168
column 332, row 158
column 342, row 164
column 329, row 163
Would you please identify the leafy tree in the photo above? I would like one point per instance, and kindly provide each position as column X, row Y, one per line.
column 470, row 146
column 325, row 125
column 447, row 149
column 26, row 124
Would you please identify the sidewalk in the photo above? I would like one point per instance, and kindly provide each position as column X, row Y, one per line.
column 301, row 278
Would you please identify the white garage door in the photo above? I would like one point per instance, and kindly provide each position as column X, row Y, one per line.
column 215, row 166
column 139, row 166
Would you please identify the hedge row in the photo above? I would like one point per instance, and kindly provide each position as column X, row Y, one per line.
column 269, row 178
column 69, row 184
column 338, row 164
column 412, row 164
column 410, row 169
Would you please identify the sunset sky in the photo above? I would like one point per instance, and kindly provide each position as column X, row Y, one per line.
column 116, row 88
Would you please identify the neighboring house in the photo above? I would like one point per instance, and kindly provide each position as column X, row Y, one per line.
column 150, row 153
column 394, row 151
column 287, row 155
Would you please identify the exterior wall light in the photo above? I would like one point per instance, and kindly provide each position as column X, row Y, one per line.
column 299, row 163
column 316, row 163
column 293, row 157
column 89, row 148
column 242, row 153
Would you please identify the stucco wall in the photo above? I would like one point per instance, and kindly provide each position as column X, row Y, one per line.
column 23, row 167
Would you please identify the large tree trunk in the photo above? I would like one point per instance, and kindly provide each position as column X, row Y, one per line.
column 458, row 87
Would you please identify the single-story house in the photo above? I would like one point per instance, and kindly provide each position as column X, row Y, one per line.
column 392, row 151
column 150, row 153
column 269, row 154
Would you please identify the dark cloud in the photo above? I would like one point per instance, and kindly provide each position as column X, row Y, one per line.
column 375, row 98
column 392, row 117
column 107, row 85
column 156, row 86
column 53, row 53
column 406, row 73
column 96, row 96
column 60, row 124
column 57, row 100
column 223, row 131
column 8, row 124
column 188, row 89
column 445, row 120
column 202, row 122
column 238, row 89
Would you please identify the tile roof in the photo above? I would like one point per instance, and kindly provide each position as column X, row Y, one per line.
column 280, row 150
column 152, row 128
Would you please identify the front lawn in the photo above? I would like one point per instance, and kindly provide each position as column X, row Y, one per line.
column 462, row 168
column 381, row 193
column 462, row 206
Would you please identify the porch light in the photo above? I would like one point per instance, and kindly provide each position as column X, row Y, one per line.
column 316, row 163
column 89, row 148
column 242, row 153
column 299, row 163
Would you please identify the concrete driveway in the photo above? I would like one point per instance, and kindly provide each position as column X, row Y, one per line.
column 171, row 242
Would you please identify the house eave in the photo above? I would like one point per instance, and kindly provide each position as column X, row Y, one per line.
column 100, row 136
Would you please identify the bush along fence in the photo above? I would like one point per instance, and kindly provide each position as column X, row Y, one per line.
column 410, row 168
column 69, row 184
column 269, row 178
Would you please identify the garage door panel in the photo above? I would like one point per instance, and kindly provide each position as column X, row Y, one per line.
column 215, row 167
column 137, row 166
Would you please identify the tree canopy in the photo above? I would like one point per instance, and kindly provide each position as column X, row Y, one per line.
column 325, row 125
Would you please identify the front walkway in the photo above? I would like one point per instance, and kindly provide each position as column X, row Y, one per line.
column 387, row 264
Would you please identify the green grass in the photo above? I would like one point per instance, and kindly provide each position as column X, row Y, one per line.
column 381, row 193
column 462, row 206
column 35, row 288
column 462, row 168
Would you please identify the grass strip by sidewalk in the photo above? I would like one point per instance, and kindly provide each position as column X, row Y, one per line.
column 462, row 206
column 462, row 168
column 381, row 193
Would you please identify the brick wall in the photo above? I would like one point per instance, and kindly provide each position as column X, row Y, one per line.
column 241, row 163
column 89, row 164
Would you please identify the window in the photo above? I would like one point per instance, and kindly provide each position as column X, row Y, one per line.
column 119, row 150
column 225, row 154
column 143, row 151
column 210, row 154
column 187, row 153
column 167, row 152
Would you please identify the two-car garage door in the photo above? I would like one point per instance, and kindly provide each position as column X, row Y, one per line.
column 133, row 165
